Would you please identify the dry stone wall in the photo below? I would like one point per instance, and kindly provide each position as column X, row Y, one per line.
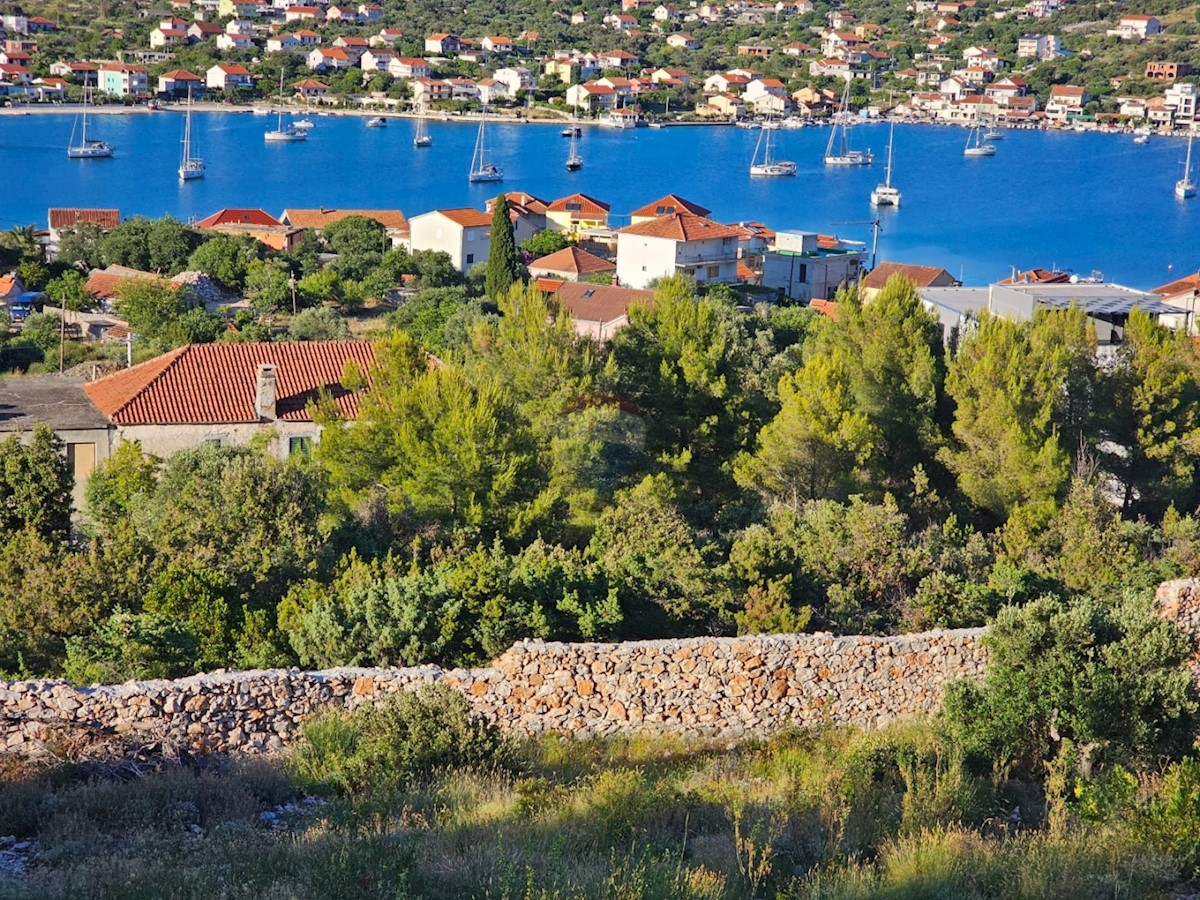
column 722, row 686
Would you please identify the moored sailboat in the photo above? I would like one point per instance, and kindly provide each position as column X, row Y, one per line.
column 842, row 154
column 976, row 145
column 884, row 194
column 87, row 147
column 282, row 134
column 574, row 160
column 1185, row 188
column 768, row 166
column 190, row 167
column 481, row 169
column 422, row 138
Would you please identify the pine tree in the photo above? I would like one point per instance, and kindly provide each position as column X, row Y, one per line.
column 504, row 266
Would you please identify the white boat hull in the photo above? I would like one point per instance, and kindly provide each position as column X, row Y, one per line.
column 850, row 159
column 422, row 142
column 477, row 177
column 1185, row 190
column 284, row 137
column 885, row 196
column 774, row 170
column 102, row 151
column 191, row 171
column 984, row 150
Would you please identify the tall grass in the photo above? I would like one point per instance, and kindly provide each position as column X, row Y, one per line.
column 837, row 814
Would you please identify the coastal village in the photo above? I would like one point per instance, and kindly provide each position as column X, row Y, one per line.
column 637, row 63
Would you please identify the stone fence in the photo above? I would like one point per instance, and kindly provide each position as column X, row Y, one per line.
column 718, row 686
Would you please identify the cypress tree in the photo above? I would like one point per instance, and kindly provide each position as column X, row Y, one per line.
column 504, row 266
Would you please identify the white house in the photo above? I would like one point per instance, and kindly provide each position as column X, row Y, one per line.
column 1137, row 28
column 465, row 234
column 234, row 42
column 408, row 67
column 320, row 59
column 681, row 243
column 515, row 78
column 591, row 96
column 227, row 76
column 802, row 269
column 281, row 43
column 1181, row 99
column 1065, row 100
column 1038, row 46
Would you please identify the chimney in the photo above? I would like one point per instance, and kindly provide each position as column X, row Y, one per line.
column 264, row 392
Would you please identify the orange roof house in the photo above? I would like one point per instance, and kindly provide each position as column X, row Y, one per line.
column 571, row 264
column 921, row 276
column 575, row 212
column 253, row 222
column 599, row 310
column 665, row 206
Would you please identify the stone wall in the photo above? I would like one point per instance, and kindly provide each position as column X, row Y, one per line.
column 725, row 686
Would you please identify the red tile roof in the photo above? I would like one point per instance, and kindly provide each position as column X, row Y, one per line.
column 580, row 205
column 1038, row 276
column 319, row 218
column 238, row 217
column 1189, row 284
column 682, row 226
column 68, row 217
column 181, row 75
column 671, row 203
column 574, row 260
column 921, row 276
column 205, row 384
column 599, row 302
column 466, row 217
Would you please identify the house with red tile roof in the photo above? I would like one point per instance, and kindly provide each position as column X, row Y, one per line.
column 599, row 310
column 10, row 286
column 232, row 394
column 463, row 233
column 395, row 223
column 665, row 206
column 921, row 276
column 227, row 76
column 61, row 217
column 442, row 43
column 575, row 213
column 254, row 223
column 1183, row 292
column 681, row 243
column 177, row 83
column 571, row 264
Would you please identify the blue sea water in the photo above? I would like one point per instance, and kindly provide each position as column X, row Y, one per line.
column 1075, row 201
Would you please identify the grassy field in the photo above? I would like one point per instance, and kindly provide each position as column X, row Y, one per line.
column 841, row 814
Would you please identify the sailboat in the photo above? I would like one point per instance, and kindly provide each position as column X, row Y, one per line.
column 768, row 166
column 976, row 145
column 422, row 138
column 574, row 160
column 88, row 147
column 282, row 135
column 884, row 194
column 481, row 169
column 844, row 155
column 992, row 133
column 1185, row 188
column 190, row 167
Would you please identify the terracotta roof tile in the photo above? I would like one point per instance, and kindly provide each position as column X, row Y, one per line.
column 215, row 383
column 69, row 217
column 230, row 216
column 671, row 203
column 599, row 302
column 319, row 218
column 682, row 226
column 580, row 205
column 572, row 259
column 921, row 276
column 466, row 217
column 1189, row 284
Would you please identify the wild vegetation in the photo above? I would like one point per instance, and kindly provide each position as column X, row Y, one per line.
column 416, row 798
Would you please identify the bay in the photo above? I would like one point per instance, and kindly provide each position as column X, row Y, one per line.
column 1074, row 201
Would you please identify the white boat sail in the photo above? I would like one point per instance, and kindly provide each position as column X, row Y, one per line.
column 884, row 194
column 422, row 138
column 190, row 167
column 281, row 134
column 976, row 145
column 87, row 147
column 481, row 169
column 1185, row 187
column 574, row 160
column 842, row 154
column 768, row 166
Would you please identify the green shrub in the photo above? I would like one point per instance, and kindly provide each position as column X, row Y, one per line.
column 1108, row 678
column 1171, row 820
column 132, row 645
column 404, row 739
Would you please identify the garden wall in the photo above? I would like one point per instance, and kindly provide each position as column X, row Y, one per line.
column 723, row 686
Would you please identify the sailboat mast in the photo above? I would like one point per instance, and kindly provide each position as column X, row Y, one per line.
column 887, row 175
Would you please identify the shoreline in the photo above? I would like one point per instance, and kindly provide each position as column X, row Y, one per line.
column 46, row 109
